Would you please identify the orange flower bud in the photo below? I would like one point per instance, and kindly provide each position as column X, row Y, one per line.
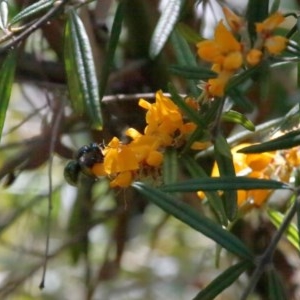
column 254, row 57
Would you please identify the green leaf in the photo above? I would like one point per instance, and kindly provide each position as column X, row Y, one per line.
column 194, row 219
column 213, row 197
column 165, row 26
column 80, row 69
column 73, row 79
column 188, row 33
column 222, row 148
column 191, row 113
column 196, row 136
column 112, row 46
column 7, row 72
column 170, row 166
column 192, row 72
column 292, row 233
column 275, row 6
column 31, row 10
column 298, row 220
column 224, row 161
column 80, row 219
column 264, row 79
column 257, row 11
column 223, row 281
column 240, row 78
column 240, row 100
column 286, row 141
column 238, row 118
column 3, row 15
column 185, row 57
column 224, row 183
column 276, row 288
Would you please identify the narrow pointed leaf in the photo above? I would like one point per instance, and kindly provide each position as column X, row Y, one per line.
column 264, row 79
column 298, row 222
column 238, row 118
column 185, row 57
column 32, row 10
column 194, row 219
column 191, row 113
column 112, row 46
column 240, row 100
column 170, row 166
column 257, row 11
column 213, row 198
column 241, row 78
column 287, row 141
column 73, row 80
column 7, row 72
column 224, row 183
column 183, row 52
column 3, row 15
column 292, row 230
column 81, row 74
column 224, row 161
column 196, row 135
column 189, row 34
column 223, row 281
column 165, row 26
column 263, row 128
column 275, row 6
column 276, row 288
column 191, row 72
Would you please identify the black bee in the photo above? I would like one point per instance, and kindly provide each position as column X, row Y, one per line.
column 85, row 158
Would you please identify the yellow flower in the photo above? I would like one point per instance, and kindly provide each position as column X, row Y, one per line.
column 119, row 164
column 255, row 197
column 192, row 103
column 258, row 162
column 250, row 165
column 122, row 180
column 145, row 148
column 235, row 22
column 269, row 24
column 254, row 57
column 225, row 39
column 163, row 118
column 216, row 86
column 154, row 159
column 224, row 50
column 119, row 158
column 273, row 44
column 233, row 61
column 293, row 157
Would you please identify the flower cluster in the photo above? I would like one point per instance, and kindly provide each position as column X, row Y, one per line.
column 143, row 156
column 277, row 165
column 232, row 49
column 166, row 126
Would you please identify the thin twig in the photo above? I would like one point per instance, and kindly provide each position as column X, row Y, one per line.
column 244, row 135
column 54, row 136
column 266, row 259
column 41, row 21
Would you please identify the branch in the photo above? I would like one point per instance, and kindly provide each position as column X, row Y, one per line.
column 40, row 22
column 266, row 259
